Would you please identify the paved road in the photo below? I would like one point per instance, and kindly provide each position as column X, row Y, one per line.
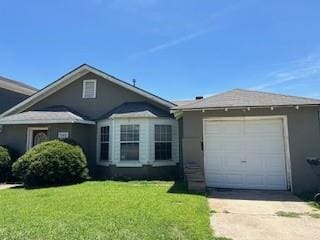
column 252, row 215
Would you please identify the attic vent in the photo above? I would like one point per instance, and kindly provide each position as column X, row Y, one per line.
column 89, row 88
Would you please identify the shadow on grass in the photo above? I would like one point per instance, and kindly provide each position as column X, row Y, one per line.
column 180, row 187
column 309, row 197
column 36, row 187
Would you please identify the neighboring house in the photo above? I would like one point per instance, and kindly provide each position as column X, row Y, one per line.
column 238, row 139
column 12, row 92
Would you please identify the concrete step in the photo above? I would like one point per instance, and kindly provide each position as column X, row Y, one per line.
column 196, row 186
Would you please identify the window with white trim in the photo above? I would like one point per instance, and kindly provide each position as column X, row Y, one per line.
column 104, row 143
column 89, row 88
column 162, row 142
column 129, row 142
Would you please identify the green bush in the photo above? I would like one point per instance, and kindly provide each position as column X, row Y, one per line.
column 5, row 164
column 51, row 163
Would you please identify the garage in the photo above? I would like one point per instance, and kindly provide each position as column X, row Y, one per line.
column 246, row 153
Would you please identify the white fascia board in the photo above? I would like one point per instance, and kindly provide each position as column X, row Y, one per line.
column 16, row 88
column 45, row 122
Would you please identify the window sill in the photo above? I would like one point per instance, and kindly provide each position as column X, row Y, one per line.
column 128, row 164
column 163, row 163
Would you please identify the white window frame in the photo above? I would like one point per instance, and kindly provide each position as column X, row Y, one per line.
column 132, row 141
column 30, row 135
column 84, row 88
column 174, row 143
column 157, row 141
column 104, row 123
column 146, row 142
column 101, row 142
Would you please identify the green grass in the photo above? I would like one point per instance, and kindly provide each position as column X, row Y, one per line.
column 308, row 197
column 288, row 214
column 104, row 210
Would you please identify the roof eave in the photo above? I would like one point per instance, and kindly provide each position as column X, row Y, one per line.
column 46, row 122
column 241, row 107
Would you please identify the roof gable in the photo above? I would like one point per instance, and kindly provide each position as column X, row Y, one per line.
column 73, row 76
column 248, row 98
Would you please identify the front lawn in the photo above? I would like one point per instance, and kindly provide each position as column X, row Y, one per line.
column 104, row 210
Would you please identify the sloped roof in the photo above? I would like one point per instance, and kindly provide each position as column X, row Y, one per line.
column 16, row 86
column 50, row 115
column 248, row 98
column 74, row 75
column 136, row 110
column 183, row 102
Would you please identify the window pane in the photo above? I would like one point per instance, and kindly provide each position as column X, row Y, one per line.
column 163, row 133
column 163, row 151
column 129, row 133
column 104, row 151
column 104, row 134
column 129, row 151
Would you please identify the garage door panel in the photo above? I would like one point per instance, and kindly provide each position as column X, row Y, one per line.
column 264, row 145
column 234, row 145
column 234, row 179
column 267, row 127
column 245, row 154
column 276, row 180
column 255, row 180
column 220, row 128
column 223, row 163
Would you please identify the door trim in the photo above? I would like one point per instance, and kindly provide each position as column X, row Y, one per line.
column 30, row 135
column 284, row 120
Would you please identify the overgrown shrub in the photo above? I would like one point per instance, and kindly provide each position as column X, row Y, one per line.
column 51, row 163
column 71, row 141
column 5, row 164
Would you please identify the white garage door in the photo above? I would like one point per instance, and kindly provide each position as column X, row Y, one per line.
column 247, row 153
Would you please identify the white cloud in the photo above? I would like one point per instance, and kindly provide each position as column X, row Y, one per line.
column 212, row 24
column 303, row 69
column 172, row 43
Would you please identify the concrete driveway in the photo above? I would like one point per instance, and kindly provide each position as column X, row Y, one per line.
column 250, row 214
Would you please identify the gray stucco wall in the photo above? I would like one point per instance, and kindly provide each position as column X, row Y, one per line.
column 304, row 139
column 9, row 98
column 108, row 96
column 15, row 136
column 146, row 172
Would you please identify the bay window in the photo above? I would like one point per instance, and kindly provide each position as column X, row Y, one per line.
column 104, row 143
column 129, row 142
column 163, row 142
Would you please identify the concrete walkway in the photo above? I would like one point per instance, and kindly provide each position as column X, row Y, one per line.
column 249, row 214
column 7, row 186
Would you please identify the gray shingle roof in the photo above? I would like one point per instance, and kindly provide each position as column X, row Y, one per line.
column 17, row 85
column 248, row 98
column 183, row 102
column 45, row 117
column 136, row 110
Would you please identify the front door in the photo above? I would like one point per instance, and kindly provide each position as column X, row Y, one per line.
column 36, row 135
column 39, row 136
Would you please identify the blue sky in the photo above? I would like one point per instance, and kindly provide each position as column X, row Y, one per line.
column 176, row 49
